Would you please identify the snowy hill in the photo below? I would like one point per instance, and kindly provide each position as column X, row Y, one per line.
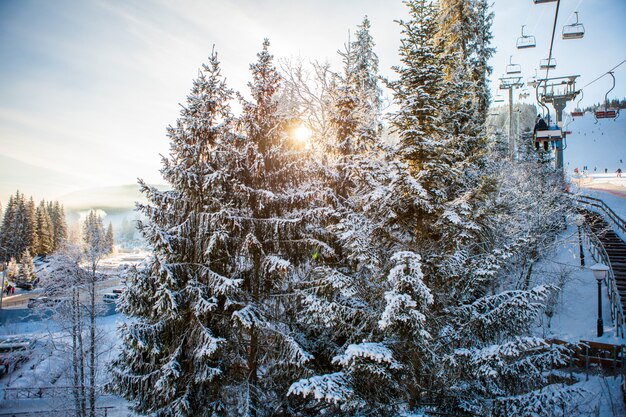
column 595, row 145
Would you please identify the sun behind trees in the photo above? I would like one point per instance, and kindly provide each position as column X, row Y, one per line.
column 355, row 278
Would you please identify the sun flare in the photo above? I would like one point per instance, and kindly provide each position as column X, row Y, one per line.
column 302, row 134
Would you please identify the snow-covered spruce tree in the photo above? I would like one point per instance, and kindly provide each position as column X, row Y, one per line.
column 109, row 238
column 26, row 271
column 16, row 231
column 466, row 33
column 213, row 319
column 59, row 224
column 6, row 232
column 365, row 307
column 432, row 212
column 45, row 234
column 489, row 356
column 31, row 225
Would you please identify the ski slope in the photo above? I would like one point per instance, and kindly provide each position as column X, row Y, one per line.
column 595, row 145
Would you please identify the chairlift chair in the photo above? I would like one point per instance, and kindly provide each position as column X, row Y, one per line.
column 577, row 111
column 574, row 31
column 547, row 64
column 498, row 99
column 607, row 113
column 526, row 41
column 548, row 137
column 543, row 1
column 513, row 68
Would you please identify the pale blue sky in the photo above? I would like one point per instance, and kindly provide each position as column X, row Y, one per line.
column 88, row 87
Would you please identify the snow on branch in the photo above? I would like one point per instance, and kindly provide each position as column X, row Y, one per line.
column 367, row 351
column 331, row 388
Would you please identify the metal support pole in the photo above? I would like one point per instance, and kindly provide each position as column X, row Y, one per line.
column 4, row 276
column 511, row 137
column 580, row 247
column 559, row 105
column 600, row 327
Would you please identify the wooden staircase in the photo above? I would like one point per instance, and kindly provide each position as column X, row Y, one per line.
column 615, row 249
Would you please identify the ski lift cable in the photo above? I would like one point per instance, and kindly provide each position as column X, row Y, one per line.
column 603, row 75
column 576, row 9
column 538, row 21
column 556, row 16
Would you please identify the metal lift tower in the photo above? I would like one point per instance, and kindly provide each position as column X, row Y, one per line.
column 511, row 83
column 557, row 91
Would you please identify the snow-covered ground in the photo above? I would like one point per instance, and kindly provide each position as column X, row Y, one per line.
column 48, row 365
column 576, row 310
column 595, row 145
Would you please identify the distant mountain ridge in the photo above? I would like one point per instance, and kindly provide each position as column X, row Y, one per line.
column 110, row 199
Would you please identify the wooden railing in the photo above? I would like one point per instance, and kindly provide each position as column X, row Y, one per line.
column 610, row 215
column 37, row 392
column 100, row 412
column 586, row 354
column 599, row 255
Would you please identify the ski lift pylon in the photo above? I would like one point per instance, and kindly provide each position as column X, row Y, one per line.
column 574, row 31
column 547, row 63
column 526, row 41
column 513, row 68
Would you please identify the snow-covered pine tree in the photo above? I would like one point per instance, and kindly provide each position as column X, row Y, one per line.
column 15, row 236
column 181, row 302
column 489, row 353
column 59, row 224
column 366, row 307
column 31, row 224
column 7, row 232
column 109, row 238
column 26, row 270
column 213, row 330
column 45, row 236
column 466, row 33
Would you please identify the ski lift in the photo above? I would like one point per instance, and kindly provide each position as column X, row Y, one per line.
column 574, row 31
column 546, row 134
column 577, row 112
column 547, row 63
column 526, row 41
column 513, row 68
column 607, row 113
column 498, row 99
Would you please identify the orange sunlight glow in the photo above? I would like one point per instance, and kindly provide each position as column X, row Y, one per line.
column 302, row 134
